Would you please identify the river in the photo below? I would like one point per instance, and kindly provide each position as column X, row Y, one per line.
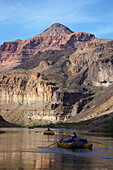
column 22, row 148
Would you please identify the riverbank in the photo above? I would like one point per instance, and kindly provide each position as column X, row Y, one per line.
column 102, row 124
column 4, row 123
column 89, row 125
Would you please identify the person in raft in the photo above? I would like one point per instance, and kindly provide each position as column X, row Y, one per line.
column 72, row 139
column 74, row 135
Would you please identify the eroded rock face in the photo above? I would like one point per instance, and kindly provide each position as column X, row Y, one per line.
column 97, row 57
column 25, row 88
column 57, row 37
column 27, row 97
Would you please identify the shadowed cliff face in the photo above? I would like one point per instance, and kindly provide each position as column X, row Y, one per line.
column 57, row 37
column 97, row 57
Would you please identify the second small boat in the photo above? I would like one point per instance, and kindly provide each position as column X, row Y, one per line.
column 49, row 132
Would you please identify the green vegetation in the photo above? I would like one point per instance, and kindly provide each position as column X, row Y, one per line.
column 79, row 125
column 106, row 127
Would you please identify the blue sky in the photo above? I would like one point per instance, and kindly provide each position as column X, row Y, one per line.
column 23, row 19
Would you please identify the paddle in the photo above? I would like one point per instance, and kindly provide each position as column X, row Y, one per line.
column 52, row 144
column 55, row 142
column 105, row 144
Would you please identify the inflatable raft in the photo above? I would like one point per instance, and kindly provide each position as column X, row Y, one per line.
column 77, row 144
column 48, row 132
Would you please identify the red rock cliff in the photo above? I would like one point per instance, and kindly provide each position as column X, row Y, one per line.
column 57, row 37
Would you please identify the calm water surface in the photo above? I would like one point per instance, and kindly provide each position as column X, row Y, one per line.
column 28, row 149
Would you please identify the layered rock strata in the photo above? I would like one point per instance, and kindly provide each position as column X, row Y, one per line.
column 28, row 97
column 95, row 59
column 60, row 85
column 57, row 37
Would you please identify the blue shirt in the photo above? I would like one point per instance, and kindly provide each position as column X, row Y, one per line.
column 74, row 136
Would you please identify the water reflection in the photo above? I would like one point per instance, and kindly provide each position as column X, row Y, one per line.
column 26, row 149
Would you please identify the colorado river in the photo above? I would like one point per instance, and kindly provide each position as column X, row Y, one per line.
column 22, row 148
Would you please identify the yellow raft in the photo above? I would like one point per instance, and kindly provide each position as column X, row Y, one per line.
column 48, row 132
column 74, row 145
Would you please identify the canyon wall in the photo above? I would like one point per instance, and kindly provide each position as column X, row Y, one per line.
column 23, row 93
column 27, row 97
column 62, row 71
column 95, row 59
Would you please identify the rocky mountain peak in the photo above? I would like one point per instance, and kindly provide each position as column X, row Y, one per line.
column 56, row 29
column 56, row 37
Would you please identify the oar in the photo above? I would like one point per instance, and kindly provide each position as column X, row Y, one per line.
column 55, row 142
column 52, row 144
column 105, row 144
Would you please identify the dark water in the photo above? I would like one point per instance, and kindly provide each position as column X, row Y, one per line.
column 28, row 149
